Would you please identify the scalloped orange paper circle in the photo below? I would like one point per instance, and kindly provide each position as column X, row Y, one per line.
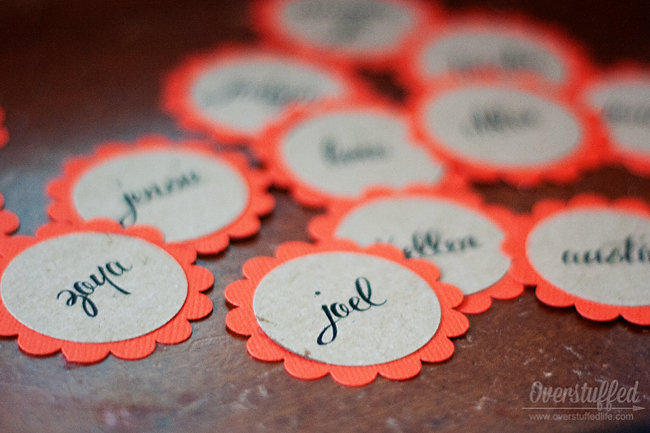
column 626, row 74
column 269, row 150
column 197, row 305
column 324, row 227
column 590, row 151
column 268, row 20
column 245, row 225
column 9, row 222
column 177, row 89
column 568, row 54
column 241, row 319
column 555, row 296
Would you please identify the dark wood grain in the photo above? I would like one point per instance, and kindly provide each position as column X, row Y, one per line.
column 76, row 73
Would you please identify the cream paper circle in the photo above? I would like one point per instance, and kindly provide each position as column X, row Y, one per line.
column 615, row 280
column 466, row 50
column 345, row 152
column 462, row 243
column 355, row 26
column 198, row 194
column 249, row 93
column 288, row 305
column 502, row 127
column 33, row 280
column 626, row 108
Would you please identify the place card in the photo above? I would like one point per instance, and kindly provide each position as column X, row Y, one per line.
column 94, row 288
column 469, row 45
column 589, row 253
column 453, row 230
column 194, row 195
column 360, row 31
column 520, row 132
column 622, row 97
column 234, row 92
column 335, row 308
column 334, row 152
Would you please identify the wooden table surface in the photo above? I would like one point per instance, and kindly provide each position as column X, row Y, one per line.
column 76, row 73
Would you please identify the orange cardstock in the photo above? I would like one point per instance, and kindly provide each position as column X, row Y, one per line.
column 8, row 221
column 93, row 288
column 518, row 131
column 295, row 308
column 234, row 92
column 452, row 229
column 333, row 152
column 373, row 32
column 588, row 253
column 196, row 196
column 508, row 45
column 622, row 98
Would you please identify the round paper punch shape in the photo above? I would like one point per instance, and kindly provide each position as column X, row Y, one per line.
column 94, row 288
column 523, row 132
column 193, row 194
column 368, row 32
column 467, row 46
column 234, row 92
column 335, row 152
column 335, row 308
column 588, row 253
column 621, row 96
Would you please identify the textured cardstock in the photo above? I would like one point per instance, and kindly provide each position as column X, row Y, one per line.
column 451, row 228
column 233, row 93
column 625, row 107
column 94, row 287
column 349, row 25
column 602, row 256
column 90, row 289
column 195, row 195
column 588, row 253
column 337, row 152
column 335, row 308
column 347, row 309
column 503, row 127
column 522, row 133
column 469, row 49
column 184, row 194
column 371, row 32
column 463, row 243
column 248, row 94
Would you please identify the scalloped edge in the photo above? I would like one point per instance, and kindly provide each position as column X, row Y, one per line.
column 245, row 225
column 178, row 329
column 241, row 319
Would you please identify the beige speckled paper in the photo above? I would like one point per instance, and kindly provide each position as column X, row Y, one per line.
column 125, row 287
column 348, row 309
column 184, row 194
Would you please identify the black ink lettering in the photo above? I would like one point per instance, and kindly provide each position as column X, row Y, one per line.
column 499, row 120
column 629, row 250
column 432, row 243
column 349, row 19
column 83, row 289
column 341, row 311
column 147, row 194
column 270, row 93
column 362, row 152
column 622, row 112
